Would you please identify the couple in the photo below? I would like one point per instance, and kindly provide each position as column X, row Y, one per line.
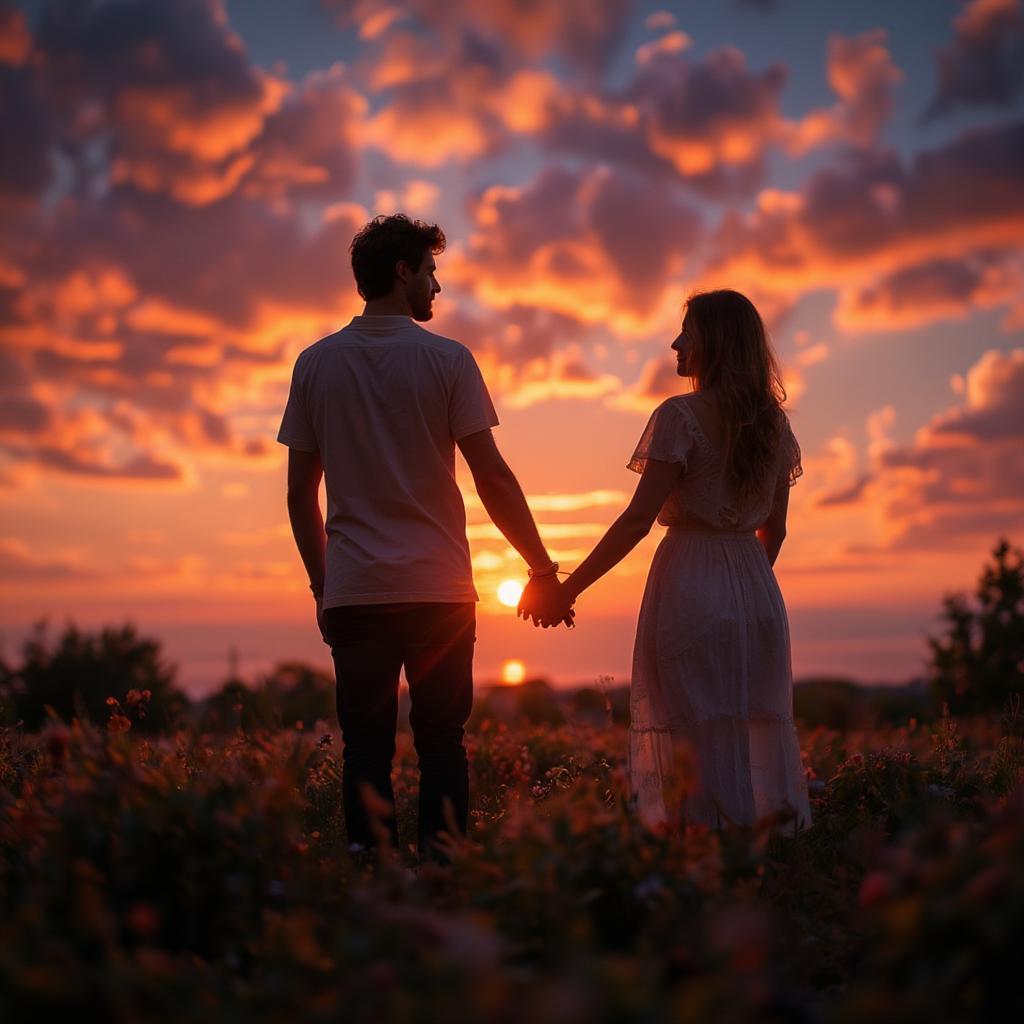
column 378, row 409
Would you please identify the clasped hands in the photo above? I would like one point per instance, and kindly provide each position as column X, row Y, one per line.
column 547, row 602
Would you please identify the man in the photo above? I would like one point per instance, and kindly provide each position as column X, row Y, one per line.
column 378, row 409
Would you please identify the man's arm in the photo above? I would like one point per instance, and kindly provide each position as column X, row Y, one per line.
column 304, row 474
column 505, row 503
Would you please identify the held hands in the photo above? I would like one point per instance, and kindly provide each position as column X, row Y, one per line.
column 546, row 601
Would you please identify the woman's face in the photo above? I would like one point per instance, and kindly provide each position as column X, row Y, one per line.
column 683, row 346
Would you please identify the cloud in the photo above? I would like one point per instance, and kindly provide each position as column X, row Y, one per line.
column 168, row 87
column 26, row 162
column 658, row 380
column 870, row 216
column 862, row 74
column 847, row 495
column 527, row 354
column 198, row 229
column 596, row 245
column 19, row 562
column 565, row 376
column 994, row 409
column 459, row 100
column 580, row 32
column 571, row 502
column 934, row 290
column 961, row 479
column 165, row 98
column 984, row 64
column 710, row 122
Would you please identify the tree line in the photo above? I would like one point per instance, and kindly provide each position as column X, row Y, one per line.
column 974, row 665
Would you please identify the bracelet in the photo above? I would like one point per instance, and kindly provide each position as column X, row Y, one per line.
column 548, row 570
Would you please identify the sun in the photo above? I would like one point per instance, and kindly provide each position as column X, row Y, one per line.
column 513, row 672
column 509, row 592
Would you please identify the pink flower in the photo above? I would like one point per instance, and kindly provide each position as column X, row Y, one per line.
column 876, row 887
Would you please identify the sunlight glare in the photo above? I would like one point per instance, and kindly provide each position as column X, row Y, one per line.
column 513, row 672
column 509, row 592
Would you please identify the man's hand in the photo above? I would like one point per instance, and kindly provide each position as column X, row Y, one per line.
column 545, row 601
column 318, row 596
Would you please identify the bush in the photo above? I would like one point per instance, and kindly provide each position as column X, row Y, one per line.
column 978, row 664
column 77, row 673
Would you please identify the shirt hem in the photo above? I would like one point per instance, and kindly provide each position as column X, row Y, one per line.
column 302, row 446
column 466, row 432
column 400, row 597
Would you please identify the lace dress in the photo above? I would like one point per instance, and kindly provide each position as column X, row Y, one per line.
column 712, row 735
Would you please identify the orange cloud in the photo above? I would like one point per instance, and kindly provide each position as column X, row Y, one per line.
column 961, row 480
column 15, row 38
column 18, row 561
column 862, row 74
column 869, row 221
column 597, row 246
column 580, row 31
column 936, row 290
column 984, row 64
column 450, row 101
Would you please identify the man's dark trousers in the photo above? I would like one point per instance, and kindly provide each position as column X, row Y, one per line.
column 369, row 645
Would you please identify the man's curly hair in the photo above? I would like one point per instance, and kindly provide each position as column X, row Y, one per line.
column 380, row 244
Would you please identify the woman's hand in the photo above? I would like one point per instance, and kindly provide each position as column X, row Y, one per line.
column 546, row 602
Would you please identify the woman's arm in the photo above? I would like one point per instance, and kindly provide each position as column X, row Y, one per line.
column 629, row 529
column 773, row 531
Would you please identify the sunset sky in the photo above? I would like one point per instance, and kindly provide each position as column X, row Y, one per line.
column 180, row 181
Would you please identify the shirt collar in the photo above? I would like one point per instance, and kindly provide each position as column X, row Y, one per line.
column 380, row 323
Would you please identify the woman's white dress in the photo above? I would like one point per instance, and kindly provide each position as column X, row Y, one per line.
column 711, row 701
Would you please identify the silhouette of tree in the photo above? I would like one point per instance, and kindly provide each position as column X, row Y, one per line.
column 76, row 673
column 293, row 692
column 979, row 661
column 302, row 693
column 536, row 702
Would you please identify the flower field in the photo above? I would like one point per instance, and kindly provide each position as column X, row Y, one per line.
column 204, row 877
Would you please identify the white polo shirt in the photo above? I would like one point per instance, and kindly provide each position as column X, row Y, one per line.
column 384, row 402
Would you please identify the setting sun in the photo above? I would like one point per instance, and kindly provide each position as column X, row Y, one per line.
column 509, row 592
column 513, row 672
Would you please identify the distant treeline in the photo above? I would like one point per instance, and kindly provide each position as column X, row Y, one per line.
column 975, row 665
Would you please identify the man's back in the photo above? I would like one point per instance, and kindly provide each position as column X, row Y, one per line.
column 384, row 402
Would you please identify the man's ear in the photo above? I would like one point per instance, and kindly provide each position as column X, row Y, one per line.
column 402, row 271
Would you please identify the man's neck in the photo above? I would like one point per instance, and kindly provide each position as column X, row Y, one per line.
column 390, row 305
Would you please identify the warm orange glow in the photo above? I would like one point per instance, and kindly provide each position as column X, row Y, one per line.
column 513, row 672
column 509, row 592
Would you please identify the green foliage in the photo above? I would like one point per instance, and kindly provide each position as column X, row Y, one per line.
column 78, row 672
column 978, row 662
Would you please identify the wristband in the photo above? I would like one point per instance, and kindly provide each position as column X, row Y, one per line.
column 548, row 570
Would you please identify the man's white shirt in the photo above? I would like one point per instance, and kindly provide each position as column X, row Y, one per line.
column 384, row 401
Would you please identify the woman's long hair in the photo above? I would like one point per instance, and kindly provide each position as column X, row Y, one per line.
column 730, row 354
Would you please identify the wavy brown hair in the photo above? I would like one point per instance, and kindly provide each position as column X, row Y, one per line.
column 730, row 354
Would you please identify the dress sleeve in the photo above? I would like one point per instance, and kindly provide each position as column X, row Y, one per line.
column 666, row 438
column 791, row 469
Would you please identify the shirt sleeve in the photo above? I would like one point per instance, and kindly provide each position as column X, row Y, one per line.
column 666, row 438
column 296, row 429
column 791, row 468
column 469, row 404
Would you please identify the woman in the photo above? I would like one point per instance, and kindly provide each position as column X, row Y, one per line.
column 711, row 664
